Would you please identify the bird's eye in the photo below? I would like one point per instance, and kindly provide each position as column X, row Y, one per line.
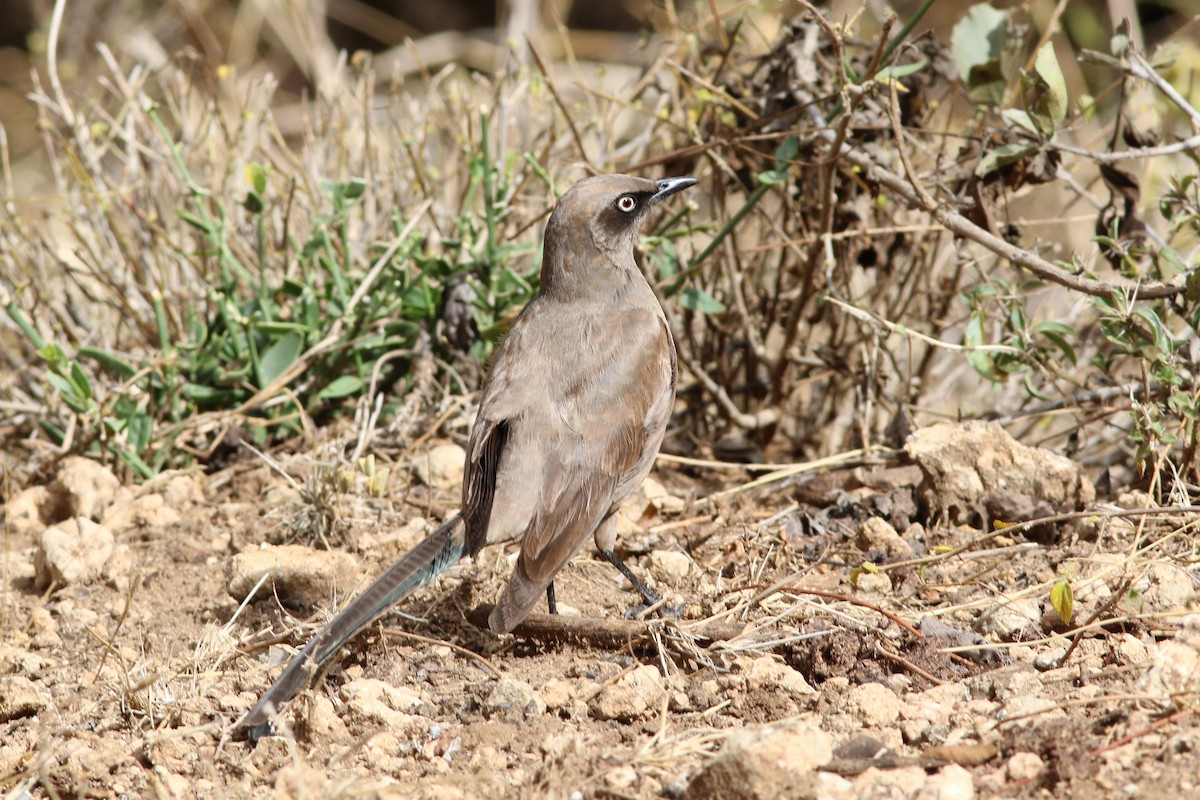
column 626, row 203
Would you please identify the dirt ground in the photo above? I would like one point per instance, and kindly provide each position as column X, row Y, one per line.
column 127, row 652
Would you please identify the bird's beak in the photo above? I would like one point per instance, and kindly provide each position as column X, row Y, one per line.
column 669, row 186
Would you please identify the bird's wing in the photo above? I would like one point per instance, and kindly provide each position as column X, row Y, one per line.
column 485, row 449
column 607, row 419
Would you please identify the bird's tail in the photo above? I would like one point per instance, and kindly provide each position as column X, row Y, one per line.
column 436, row 553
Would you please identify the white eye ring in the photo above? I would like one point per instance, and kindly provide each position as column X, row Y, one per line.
column 626, row 203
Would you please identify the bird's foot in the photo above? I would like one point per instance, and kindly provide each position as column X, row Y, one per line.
column 659, row 609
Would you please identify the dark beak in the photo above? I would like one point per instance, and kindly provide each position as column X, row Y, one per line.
column 669, row 186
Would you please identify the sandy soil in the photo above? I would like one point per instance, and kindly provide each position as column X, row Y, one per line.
column 123, row 660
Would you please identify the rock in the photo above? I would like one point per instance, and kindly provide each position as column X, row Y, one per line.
column 512, row 696
column 1165, row 587
column 558, row 694
column 669, row 566
column 183, row 489
column 769, row 761
column 951, row 782
column 1024, row 766
column 767, row 673
column 442, row 467
column 621, row 779
column 29, row 511
column 372, row 704
column 637, row 694
column 295, row 572
column 1013, row 620
column 20, row 697
column 876, row 535
column 1174, row 666
column 75, row 552
column 961, row 463
column 88, row 487
column 902, row 782
column 662, row 500
column 873, row 583
column 149, row 510
column 875, row 705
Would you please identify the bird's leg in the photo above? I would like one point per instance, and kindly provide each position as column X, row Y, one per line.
column 648, row 595
column 550, row 604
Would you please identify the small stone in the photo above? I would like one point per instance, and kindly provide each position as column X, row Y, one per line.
column 1174, row 666
column 634, row 696
column 558, row 693
column 134, row 512
column 510, row 695
column 770, row 761
column 20, row 697
column 767, row 673
column 873, row 583
column 89, row 487
column 669, row 566
column 876, row 534
column 442, row 467
column 951, row 782
column 1024, row 766
column 74, row 552
column 874, row 704
column 621, row 779
column 662, row 500
column 28, row 511
column 373, row 704
column 183, row 489
column 295, row 572
column 1013, row 620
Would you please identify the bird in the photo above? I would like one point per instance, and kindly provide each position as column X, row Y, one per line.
column 571, row 416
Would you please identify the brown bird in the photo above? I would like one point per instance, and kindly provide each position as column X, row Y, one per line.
column 571, row 417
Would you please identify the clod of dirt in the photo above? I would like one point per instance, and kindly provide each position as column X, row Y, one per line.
column 961, row 463
column 875, row 705
column 372, row 704
column 769, row 761
column 20, row 697
column 73, row 552
column 637, row 694
column 296, row 572
column 767, row 673
column 131, row 511
column 669, row 567
column 663, row 501
column 514, row 698
column 1012, row 620
column 875, row 535
column 1173, row 669
column 28, row 511
column 87, row 487
column 442, row 467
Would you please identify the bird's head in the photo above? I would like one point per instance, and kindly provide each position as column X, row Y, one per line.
column 599, row 217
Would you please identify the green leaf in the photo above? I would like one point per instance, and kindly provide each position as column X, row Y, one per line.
column 901, row 71
column 696, row 299
column 979, row 359
column 341, row 387
column 257, row 177
column 1054, row 100
column 113, row 363
column 194, row 221
column 278, row 358
column 1021, row 119
column 273, row 329
column 978, row 44
column 1002, row 156
column 1063, row 600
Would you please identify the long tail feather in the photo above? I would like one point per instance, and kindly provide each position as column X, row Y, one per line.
column 436, row 553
